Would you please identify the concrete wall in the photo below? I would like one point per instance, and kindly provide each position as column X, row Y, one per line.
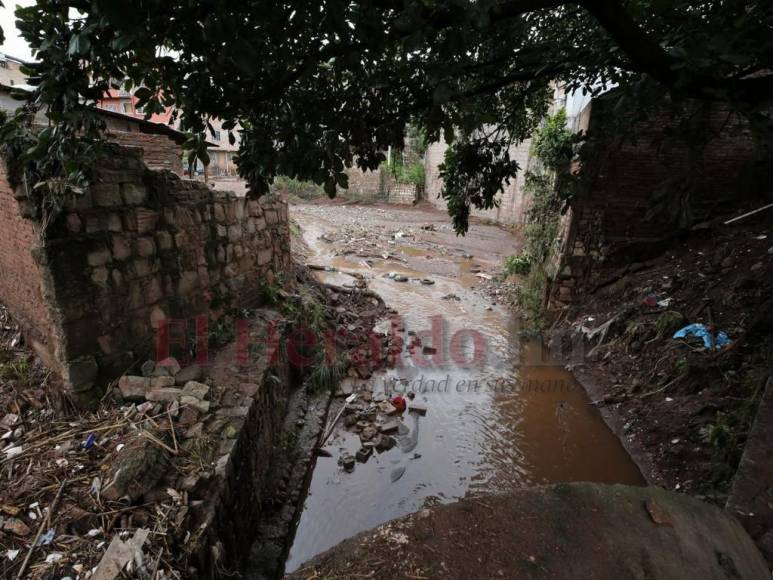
column 513, row 203
column 138, row 247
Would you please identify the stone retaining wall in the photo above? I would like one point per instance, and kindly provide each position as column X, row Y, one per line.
column 138, row 248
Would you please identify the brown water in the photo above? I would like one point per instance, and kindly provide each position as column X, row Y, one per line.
column 514, row 419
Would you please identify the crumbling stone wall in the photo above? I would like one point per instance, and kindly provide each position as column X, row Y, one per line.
column 513, row 202
column 138, row 248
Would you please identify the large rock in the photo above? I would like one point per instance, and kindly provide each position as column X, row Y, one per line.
column 566, row 531
column 190, row 373
column 133, row 388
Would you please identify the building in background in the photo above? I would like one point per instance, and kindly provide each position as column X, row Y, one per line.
column 221, row 151
column 10, row 71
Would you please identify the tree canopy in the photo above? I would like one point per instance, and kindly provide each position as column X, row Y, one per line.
column 318, row 87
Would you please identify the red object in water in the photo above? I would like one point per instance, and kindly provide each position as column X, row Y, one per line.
column 399, row 403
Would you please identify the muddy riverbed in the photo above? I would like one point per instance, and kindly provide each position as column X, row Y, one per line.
column 501, row 414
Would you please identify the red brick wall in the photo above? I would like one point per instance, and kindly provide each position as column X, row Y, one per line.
column 20, row 275
column 158, row 151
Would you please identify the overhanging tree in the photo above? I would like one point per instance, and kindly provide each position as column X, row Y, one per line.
column 321, row 86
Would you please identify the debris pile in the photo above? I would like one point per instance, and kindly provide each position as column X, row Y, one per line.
column 376, row 419
column 677, row 349
column 124, row 488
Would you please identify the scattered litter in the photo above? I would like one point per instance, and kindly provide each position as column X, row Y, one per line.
column 47, row 538
column 89, row 442
column 54, row 557
column 702, row 331
column 484, row 276
column 118, row 555
column 13, row 451
column 427, row 281
column 12, row 554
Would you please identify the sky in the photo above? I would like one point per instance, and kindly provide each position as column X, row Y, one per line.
column 13, row 45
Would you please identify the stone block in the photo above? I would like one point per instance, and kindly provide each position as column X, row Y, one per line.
column 265, row 256
column 106, row 195
column 145, row 247
column 133, row 194
column 235, row 233
column 161, row 382
column 164, row 240
column 189, row 281
column 147, row 220
column 190, row 373
column 133, row 388
column 164, row 395
column 114, row 223
column 99, row 257
column 153, row 291
column 100, row 276
column 195, row 403
column 121, row 248
column 196, row 389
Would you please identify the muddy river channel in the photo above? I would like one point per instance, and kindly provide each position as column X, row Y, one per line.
column 500, row 413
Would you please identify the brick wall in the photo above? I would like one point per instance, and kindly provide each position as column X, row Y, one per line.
column 364, row 184
column 402, row 193
column 140, row 247
column 21, row 279
column 608, row 221
column 513, row 202
column 158, row 151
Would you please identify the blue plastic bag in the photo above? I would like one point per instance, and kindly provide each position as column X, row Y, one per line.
column 702, row 331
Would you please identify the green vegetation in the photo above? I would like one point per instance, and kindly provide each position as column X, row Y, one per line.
column 295, row 188
column 550, row 186
column 315, row 89
column 519, row 264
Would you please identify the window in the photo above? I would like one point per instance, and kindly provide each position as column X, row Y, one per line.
column 127, row 108
column 217, row 136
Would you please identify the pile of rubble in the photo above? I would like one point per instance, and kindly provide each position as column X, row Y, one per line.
column 376, row 419
column 124, row 490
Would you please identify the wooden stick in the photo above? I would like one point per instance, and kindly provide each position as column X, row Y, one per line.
column 747, row 214
column 46, row 521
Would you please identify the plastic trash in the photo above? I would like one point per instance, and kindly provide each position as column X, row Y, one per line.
column 399, row 403
column 89, row 442
column 46, row 538
column 702, row 331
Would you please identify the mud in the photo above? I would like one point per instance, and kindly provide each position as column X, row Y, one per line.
column 501, row 414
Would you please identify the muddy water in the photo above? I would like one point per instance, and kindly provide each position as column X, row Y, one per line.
column 500, row 415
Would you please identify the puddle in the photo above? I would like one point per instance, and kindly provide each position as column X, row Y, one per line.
column 510, row 420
